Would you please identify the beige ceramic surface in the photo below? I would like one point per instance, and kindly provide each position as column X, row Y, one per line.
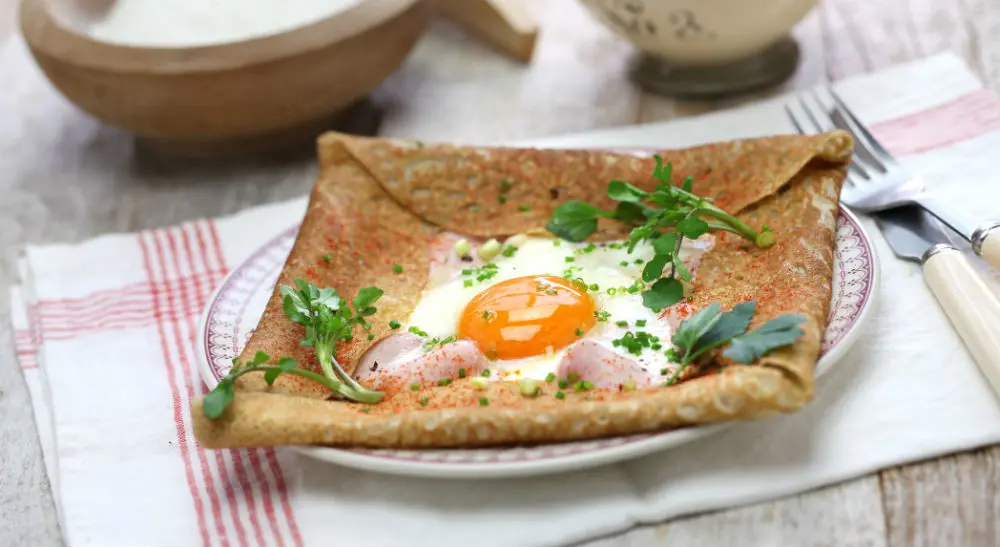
column 67, row 178
column 971, row 305
column 701, row 32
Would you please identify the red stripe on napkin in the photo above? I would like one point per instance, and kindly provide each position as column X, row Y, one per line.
column 184, row 266
column 178, row 404
column 211, row 257
column 967, row 117
column 24, row 348
column 235, row 456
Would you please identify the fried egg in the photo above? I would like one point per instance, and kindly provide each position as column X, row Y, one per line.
column 541, row 307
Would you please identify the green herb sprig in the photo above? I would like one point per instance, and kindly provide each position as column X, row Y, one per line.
column 329, row 321
column 218, row 399
column 663, row 217
column 711, row 328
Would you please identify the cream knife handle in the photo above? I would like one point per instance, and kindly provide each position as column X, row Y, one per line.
column 986, row 243
column 972, row 306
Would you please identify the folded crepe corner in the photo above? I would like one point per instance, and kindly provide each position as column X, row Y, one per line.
column 379, row 202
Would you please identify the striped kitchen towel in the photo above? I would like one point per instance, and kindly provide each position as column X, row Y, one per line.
column 105, row 335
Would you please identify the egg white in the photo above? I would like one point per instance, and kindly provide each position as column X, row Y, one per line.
column 440, row 307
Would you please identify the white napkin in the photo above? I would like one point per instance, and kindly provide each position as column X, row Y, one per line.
column 105, row 334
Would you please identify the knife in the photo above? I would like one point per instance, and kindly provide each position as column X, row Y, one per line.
column 972, row 307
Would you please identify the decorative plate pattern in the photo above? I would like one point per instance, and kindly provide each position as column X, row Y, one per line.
column 236, row 306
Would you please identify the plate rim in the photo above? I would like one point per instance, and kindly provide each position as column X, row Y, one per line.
column 622, row 447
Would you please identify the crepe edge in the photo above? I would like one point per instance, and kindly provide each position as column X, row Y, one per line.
column 268, row 419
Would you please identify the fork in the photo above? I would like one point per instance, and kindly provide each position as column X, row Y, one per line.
column 878, row 182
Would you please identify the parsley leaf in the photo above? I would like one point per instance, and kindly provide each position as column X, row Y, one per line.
column 574, row 220
column 664, row 217
column 731, row 323
column 666, row 292
column 693, row 328
column 622, row 191
column 778, row 332
column 709, row 328
column 217, row 400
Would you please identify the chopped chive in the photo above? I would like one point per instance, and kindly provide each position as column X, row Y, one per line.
column 504, row 185
column 639, row 261
column 551, row 291
column 573, row 377
column 563, row 384
column 327, row 257
column 579, row 332
column 640, row 323
column 549, row 377
column 483, row 401
column 396, row 268
column 486, row 373
column 461, row 373
column 529, row 387
column 502, row 199
column 509, row 251
column 560, row 395
column 569, row 259
column 594, row 287
column 415, row 386
column 444, row 381
column 394, row 324
column 524, row 208
column 621, row 323
column 466, row 272
column 612, row 291
column 623, row 263
column 371, row 337
column 479, row 382
column 467, row 283
column 424, row 401
column 366, row 409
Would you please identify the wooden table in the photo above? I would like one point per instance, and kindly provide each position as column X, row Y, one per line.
column 63, row 177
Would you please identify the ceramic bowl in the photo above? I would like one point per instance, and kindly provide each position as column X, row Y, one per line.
column 238, row 91
column 700, row 32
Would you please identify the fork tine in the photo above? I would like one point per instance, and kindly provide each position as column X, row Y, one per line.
column 864, row 162
column 814, row 114
column 821, row 119
column 854, row 171
column 862, row 154
column 795, row 121
column 859, row 129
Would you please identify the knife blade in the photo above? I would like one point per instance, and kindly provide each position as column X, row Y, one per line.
column 972, row 307
column 912, row 233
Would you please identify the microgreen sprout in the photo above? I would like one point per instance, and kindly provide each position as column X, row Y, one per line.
column 663, row 217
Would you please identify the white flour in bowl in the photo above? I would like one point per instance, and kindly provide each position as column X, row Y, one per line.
column 186, row 23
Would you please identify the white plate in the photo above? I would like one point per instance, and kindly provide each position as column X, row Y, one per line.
column 236, row 307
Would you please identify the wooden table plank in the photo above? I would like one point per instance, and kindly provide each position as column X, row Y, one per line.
column 949, row 501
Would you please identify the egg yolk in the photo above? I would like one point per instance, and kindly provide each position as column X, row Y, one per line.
column 527, row 316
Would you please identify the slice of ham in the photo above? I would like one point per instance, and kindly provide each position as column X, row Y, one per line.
column 400, row 360
column 603, row 367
